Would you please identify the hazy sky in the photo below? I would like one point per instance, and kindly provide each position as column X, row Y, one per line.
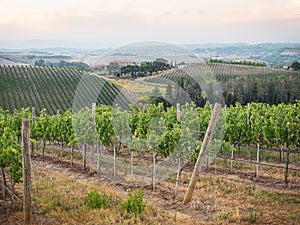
column 176, row 21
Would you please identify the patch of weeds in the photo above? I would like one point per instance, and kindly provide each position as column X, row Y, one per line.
column 294, row 219
column 224, row 215
column 64, row 154
column 96, row 201
column 134, row 203
column 252, row 217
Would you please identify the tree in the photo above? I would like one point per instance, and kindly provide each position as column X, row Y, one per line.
column 295, row 65
column 156, row 97
column 113, row 67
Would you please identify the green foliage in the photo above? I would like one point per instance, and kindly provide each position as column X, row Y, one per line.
column 252, row 217
column 224, row 215
column 134, row 203
column 158, row 64
column 11, row 154
column 238, row 62
column 96, row 201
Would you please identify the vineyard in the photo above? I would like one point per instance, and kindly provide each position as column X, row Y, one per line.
column 137, row 130
column 51, row 88
column 120, row 144
column 225, row 72
column 153, row 147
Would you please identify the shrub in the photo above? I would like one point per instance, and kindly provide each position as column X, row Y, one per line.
column 134, row 203
column 96, row 201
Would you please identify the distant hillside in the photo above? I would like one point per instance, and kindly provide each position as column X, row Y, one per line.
column 52, row 88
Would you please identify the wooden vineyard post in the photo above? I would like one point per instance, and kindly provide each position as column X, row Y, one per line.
column 71, row 157
column 179, row 163
column 92, row 154
column 206, row 142
column 52, row 149
column 257, row 160
column 84, row 157
column 32, row 121
column 27, row 210
column 153, row 171
column 248, row 123
column 280, row 155
column 131, row 164
column 92, row 158
column 99, row 156
column 231, row 161
column 44, row 147
column 287, row 166
column 115, row 163
column 178, row 111
column 177, row 177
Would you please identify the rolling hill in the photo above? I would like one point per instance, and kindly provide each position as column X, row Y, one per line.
column 53, row 88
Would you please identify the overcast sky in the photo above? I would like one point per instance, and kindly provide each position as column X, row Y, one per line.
column 175, row 21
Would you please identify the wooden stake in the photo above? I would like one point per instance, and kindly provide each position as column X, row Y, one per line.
column 287, row 166
column 231, row 162
column 71, row 159
column 115, row 163
column 131, row 164
column 206, row 142
column 32, row 121
column 257, row 160
column 27, row 210
column 94, row 113
column 84, row 157
column 99, row 157
column 92, row 158
column 177, row 177
column 153, row 171
column 280, row 155
column 179, row 163
column 178, row 111
column 52, row 149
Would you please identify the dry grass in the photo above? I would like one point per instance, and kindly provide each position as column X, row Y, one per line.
column 64, row 199
column 230, row 202
column 218, row 199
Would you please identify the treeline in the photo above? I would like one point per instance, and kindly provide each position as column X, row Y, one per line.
column 238, row 84
column 270, row 89
column 48, row 57
column 145, row 67
column 62, row 64
column 238, row 62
